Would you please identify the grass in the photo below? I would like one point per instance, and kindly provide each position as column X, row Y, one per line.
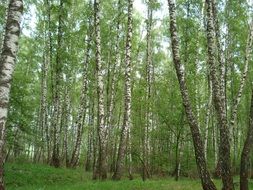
column 42, row 177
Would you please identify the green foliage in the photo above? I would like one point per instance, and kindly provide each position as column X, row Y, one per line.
column 20, row 176
column 167, row 111
column 23, row 175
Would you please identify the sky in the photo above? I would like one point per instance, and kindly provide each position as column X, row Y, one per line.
column 139, row 5
column 142, row 8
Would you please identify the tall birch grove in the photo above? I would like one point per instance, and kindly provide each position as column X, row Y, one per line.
column 156, row 91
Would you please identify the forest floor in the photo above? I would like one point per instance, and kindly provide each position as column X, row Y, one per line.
column 42, row 177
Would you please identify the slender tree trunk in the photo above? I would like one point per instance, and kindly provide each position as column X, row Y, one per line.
column 129, row 155
column 237, row 100
column 111, row 123
column 95, row 150
column 43, row 97
column 177, row 150
column 178, row 161
column 66, row 125
column 243, row 76
column 206, row 180
column 146, row 144
column 219, row 98
column 48, row 62
column 115, row 141
column 207, row 119
column 7, row 65
column 5, row 5
column 221, row 60
column 82, row 106
column 247, row 148
column 101, row 163
column 90, row 147
column 57, row 94
column 127, row 110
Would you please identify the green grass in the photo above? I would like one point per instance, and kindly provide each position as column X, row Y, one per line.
column 42, row 177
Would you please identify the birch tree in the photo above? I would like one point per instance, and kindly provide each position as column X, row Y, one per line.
column 219, row 99
column 115, row 72
column 7, row 66
column 57, row 92
column 83, row 103
column 204, row 174
column 127, row 109
column 146, row 141
column 101, row 168
column 247, row 148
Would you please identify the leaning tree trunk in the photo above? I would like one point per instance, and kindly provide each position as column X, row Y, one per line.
column 7, row 65
column 127, row 110
column 82, row 107
column 101, row 168
column 243, row 76
column 219, row 99
column 247, row 148
column 222, row 71
column 206, row 180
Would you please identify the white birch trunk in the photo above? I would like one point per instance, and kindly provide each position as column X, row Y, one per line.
column 7, row 65
column 128, row 95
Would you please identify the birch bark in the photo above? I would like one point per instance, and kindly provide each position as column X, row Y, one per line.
column 247, row 148
column 55, row 161
column 82, row 107
column 204, row 174
column 127, row 110
column 7, row 65
column 219, row 99
column 101, row 169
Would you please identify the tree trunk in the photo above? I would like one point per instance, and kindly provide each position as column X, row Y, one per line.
column 101, row 162
column 7, row 65
column 207, row 118
column 129, row 155
column 82, row 107
column 4, row 16
column 127, row 110
column 146, row 144
column 66, row 124
column 178, row 160
column 111, row 119
column 89, row 142
column 219, row 99
column 247, row 148
column 206, row 180
column 243, row 77
column 43, row 97
column 48, row 62
column 57, row 94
